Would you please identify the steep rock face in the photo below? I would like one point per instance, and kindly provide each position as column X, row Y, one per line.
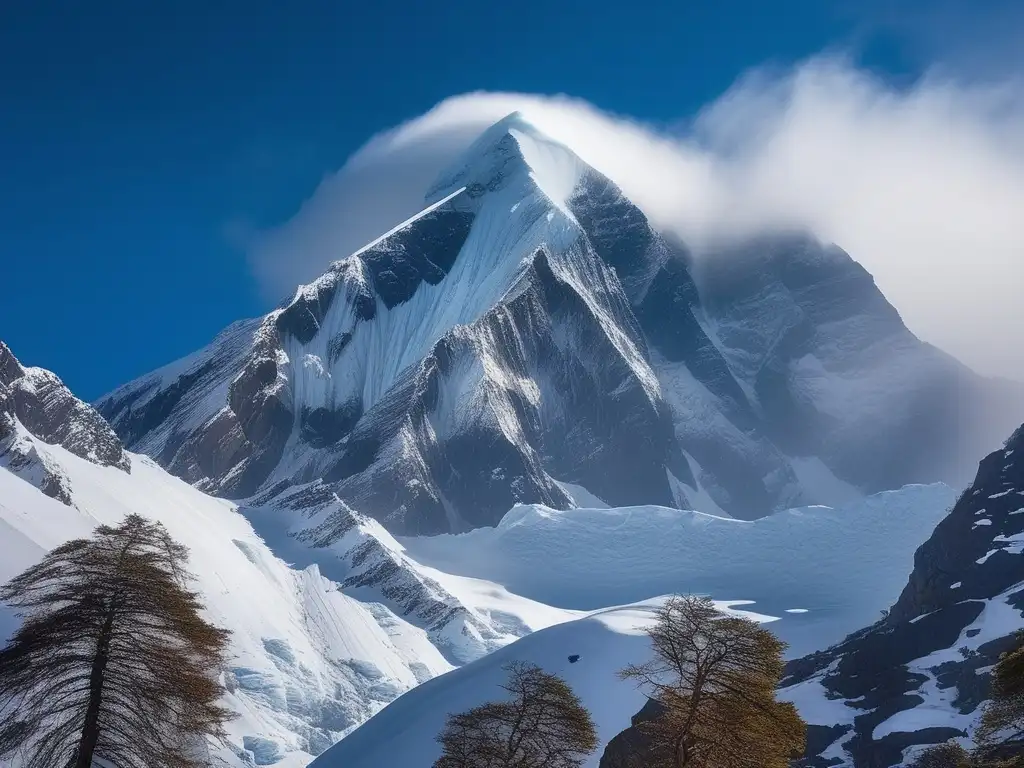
column 919, row 675
column 530, row 327
column 46, row 408
column 20, row 456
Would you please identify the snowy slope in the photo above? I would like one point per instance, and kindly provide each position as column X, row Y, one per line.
column 402, row 735
column 308, row 661
column 319, row 642
column 851, row 560
column 311, row 659
column 530, row 329
column 463, row 617
column 841, row 564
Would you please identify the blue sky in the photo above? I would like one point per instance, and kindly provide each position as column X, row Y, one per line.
column 137, row 136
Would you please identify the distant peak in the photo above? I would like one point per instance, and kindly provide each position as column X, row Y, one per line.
column 10, row 368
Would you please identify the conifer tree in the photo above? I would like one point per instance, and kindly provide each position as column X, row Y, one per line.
column 113, row 660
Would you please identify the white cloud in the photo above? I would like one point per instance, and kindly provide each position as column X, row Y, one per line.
column 923, row 185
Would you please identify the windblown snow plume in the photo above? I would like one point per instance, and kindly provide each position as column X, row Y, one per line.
column 921, row 185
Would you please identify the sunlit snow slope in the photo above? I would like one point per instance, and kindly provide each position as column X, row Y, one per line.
column 403, row 734
column 309, row 662
column 313, row 652
column 841, row 564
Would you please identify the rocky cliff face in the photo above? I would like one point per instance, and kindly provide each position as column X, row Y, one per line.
column 920, row 674
column 530, row 328
column 35, row 403
column 47, row 409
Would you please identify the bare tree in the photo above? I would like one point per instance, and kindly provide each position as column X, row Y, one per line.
column 542, row 725
column 112, row 660
column 715, row 677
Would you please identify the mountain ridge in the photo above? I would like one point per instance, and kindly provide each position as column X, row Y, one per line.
column 530, row 327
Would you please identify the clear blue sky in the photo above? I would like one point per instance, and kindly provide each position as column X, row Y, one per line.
column 131, row 132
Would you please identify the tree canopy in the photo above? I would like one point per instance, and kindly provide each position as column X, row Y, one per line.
column 113, row 659
column 542, row 724
column 714, row 677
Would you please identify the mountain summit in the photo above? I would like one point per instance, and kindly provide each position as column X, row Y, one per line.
column 530, row 333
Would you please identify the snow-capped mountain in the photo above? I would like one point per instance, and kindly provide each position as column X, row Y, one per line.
column 318, row 644
column 333, row 617
column 529, row 329
column 919, row 675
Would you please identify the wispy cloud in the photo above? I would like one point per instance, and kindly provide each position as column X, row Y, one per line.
column 923, row 185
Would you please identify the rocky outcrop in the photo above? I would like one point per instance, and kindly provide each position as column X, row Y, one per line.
column 20, row 455
column 632, row 747
column 46, row 408
column 919, row 676
column 367, row 563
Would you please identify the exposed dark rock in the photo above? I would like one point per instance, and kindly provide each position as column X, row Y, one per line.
column 421, row 253
column 950, row 555
column 322, row 427
column 972, row 560
column 303, row 316
column 48, row 410
column 631, row 748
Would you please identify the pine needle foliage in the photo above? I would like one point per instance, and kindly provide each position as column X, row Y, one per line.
column 112, row 660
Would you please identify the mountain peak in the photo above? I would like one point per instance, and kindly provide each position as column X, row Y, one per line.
column 530, row 328
column 510, row 152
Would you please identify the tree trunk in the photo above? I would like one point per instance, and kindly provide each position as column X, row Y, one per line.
column 91, row 728
column 682, row 752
